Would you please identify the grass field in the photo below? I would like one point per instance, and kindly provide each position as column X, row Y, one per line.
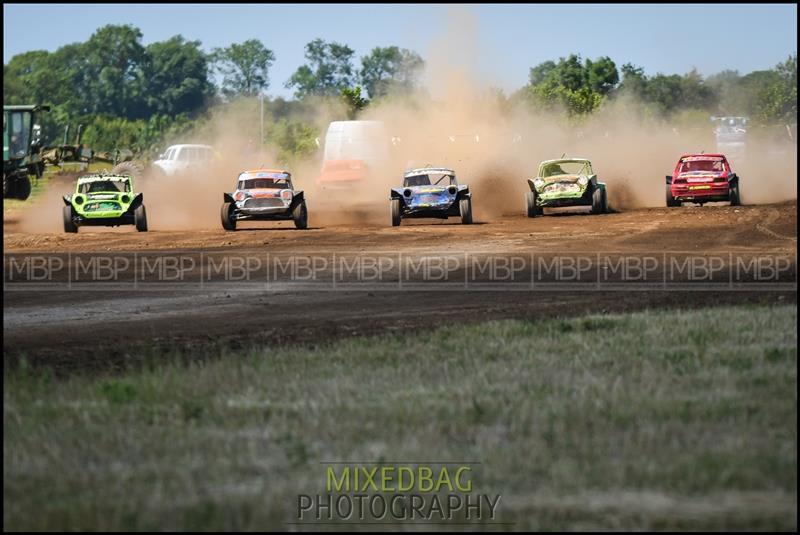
column 655, row 420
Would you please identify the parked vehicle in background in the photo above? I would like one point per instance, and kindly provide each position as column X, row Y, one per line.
column 355, row 151
column 731, row 135
column 181, row 158
column 21, row 156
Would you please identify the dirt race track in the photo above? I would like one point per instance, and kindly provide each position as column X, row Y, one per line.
column 99, row 329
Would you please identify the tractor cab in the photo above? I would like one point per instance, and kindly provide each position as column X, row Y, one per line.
column 21, row 144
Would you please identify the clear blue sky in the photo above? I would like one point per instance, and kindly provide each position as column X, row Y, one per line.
column 508, row 38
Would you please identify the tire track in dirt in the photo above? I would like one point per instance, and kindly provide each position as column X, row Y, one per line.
column 59, row 327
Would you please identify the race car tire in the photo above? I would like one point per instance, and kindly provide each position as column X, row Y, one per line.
column 733, row 195
column 140, row 218
column 671, row 201
column 465, row 207
column 22, row 189
column 226, row 213
column 69, row 223
column 598, row 201
column 530, row 205
column 396, row 212
column 134, row 169
column 300, row 216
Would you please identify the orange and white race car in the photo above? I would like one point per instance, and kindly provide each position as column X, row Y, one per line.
column 264, row 195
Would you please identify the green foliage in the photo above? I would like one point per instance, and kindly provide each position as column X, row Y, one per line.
column 328, row 71
column 245, row 67
column 107, row 132
column 293, row 138
column 353, row 100
column 576, row 87
column 669, row 93
column 540, row 73
column 134, row 96
column 117, row 391
column 390, row 69
column 123, row 92
column 778, row 99
column 112, row 73
column 177, row 80
column 601, row 75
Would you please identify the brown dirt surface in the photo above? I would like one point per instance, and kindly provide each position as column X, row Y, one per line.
column 74, row 330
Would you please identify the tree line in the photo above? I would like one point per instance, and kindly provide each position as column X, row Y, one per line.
column 580, row 87
column 132, row 95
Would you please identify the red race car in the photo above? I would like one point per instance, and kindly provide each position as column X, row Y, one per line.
column 702, row 178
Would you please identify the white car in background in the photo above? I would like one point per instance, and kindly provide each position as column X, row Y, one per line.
column 179, row 158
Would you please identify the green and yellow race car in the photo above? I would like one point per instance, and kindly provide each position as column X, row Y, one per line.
column 103, row 199
column 565, row 182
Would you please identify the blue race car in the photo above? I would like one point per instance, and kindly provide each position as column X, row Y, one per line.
column 431, row 192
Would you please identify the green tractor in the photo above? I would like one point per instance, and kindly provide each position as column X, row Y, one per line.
column 21, row 149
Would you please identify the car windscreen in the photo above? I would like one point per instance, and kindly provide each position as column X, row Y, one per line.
column 701, row 166
column 418, row 180
column 566, row 168
column 98, row 186
column 433, row 179
column 20, row 129
column 265, row 183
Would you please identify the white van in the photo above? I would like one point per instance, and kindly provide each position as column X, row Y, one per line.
column 352, row 150
column 179, row 158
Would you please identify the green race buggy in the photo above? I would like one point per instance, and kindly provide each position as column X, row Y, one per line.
column 103, row 199
column 565, row 182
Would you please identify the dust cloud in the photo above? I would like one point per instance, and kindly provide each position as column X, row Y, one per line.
column 458, row 120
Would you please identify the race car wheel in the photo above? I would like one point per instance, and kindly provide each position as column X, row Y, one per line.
column 396, row 212
column 24, row 189
column 465, row 207
column 733, row 194
column 300, row 216
column 69, row 223
column 140, row 218
column 17, row 189
column 226, row 215
column 671, row 201
column 10, row 189
column 134, row 169
column 598, row 201
column 530, row 205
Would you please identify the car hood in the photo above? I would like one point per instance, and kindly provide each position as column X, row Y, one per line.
column 265, row 192
column 105, row 195
column 427, row 189
column 561, row 178
column 343, row 170
column 432, row 190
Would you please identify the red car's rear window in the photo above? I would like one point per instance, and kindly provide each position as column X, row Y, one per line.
column 691, row 165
